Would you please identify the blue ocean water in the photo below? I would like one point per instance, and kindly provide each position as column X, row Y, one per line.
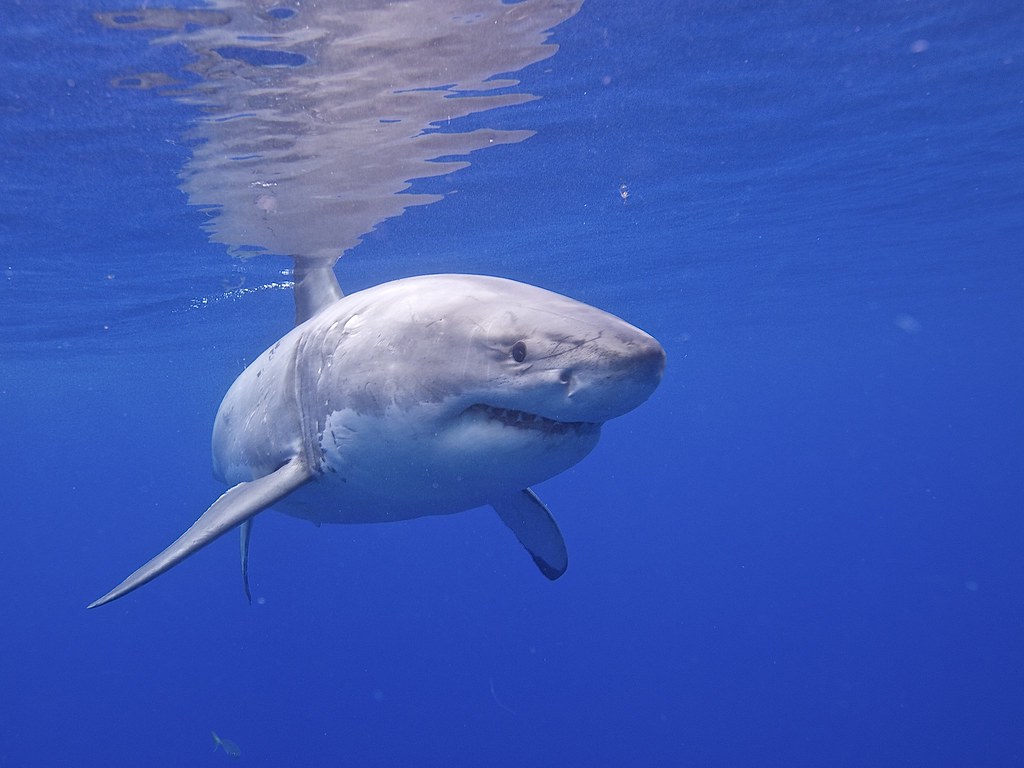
column 805, row 549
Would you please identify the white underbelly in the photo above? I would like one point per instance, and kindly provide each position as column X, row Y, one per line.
column 370, row 474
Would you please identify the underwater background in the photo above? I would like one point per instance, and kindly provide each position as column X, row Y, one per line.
column 804, row 550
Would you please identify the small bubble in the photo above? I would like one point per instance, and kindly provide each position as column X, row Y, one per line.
column 907, row 324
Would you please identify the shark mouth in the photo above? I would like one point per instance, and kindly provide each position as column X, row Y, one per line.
column 510, row 417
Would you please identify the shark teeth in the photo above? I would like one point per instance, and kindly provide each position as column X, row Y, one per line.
column 523, row 420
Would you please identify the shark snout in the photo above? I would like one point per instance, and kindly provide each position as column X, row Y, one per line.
column 648, row 359
column 621, row 378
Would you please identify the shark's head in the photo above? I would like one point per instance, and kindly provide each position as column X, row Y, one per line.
column 497, row 376
column 530, row 351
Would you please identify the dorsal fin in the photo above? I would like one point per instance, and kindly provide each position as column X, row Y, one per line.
column 316, row 286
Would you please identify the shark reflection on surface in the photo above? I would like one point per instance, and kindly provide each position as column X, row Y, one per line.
column 315, row 117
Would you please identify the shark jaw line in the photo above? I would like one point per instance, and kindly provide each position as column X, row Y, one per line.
column 510, row 417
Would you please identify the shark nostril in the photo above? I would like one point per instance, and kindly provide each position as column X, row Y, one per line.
column 565, row 376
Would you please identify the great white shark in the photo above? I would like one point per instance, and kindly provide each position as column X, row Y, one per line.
column 423, row 396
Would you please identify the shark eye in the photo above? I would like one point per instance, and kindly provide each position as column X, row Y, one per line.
column 519, row 351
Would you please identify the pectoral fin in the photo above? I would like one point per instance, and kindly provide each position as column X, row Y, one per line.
column 236, row 506
column 536, row 530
